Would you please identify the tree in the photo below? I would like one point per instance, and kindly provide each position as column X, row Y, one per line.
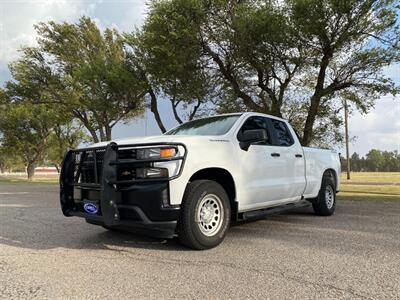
column 374, row 160
column 329, row 124
column 265, row 56
column 25, row 132
column 136, row 57
column 64, row 137
column 9, row 160
column 391, row 161
column 83, row 70
column 355, row 162
column 351, row 42
column 171, row 64
column 383, row 161
column 30, row 134
column 237, row 48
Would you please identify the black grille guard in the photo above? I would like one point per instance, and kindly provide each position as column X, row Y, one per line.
column 107, row 183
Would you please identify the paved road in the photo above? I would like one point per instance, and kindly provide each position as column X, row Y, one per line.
column 354, row 254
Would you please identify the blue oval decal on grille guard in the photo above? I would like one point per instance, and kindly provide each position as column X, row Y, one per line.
column 90, row 208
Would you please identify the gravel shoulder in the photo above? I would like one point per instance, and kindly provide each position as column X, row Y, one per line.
column 353, row 254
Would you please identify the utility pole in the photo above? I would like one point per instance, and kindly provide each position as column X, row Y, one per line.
column 346, row 129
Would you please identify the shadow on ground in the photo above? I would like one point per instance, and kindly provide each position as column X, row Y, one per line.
column 30, row 217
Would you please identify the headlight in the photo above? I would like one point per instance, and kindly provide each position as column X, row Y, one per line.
column 151, row 173
column 149, row 153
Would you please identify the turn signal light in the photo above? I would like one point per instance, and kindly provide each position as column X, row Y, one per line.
column 167, row 152
column 149, row 153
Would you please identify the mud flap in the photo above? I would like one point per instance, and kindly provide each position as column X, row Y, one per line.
column 107, row 201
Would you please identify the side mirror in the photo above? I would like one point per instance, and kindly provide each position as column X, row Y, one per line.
column 252, row 136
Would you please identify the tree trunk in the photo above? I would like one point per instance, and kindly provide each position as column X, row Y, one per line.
column 316, row 98
column 88, row 126
column 30, row 170
column 154, row 110
column 93, row 133
column 193, row 113
column 311, row 116
column 176, row 115
column 108, row 131
column 102, row 135
column 276, row 109
column 226, row 72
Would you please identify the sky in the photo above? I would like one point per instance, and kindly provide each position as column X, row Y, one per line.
column 379, row 129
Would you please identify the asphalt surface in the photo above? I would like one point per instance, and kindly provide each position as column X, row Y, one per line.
column 353, row 254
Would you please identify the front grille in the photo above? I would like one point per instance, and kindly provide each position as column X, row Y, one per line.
column 127, row 153
column 88, row 165
column 128, row 171
column 123, row 167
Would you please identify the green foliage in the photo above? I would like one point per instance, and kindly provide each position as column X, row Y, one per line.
column 9, row 160
column 83, row 70
column 26, row 130
column 172, row 62
column 374, row 161
column 292, row 58
column 34, row 133
column 328, row 129
column 63, row 138
column 268, row 56
column 349, row 43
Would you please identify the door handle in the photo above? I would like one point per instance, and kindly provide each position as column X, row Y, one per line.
column 275, row 154
column 299, row 155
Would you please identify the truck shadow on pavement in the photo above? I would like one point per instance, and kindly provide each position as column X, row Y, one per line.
column 23, row 227
column 83, row 236
column 38, row 224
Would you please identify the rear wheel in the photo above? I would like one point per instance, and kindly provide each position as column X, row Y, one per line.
column 205, row 215
column 325, row 203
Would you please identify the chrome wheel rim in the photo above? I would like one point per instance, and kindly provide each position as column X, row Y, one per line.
column 210, row 215
column 329, row 196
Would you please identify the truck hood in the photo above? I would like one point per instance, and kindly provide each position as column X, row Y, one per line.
column 163, row 139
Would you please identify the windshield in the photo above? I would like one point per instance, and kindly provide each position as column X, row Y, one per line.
column 208, row 126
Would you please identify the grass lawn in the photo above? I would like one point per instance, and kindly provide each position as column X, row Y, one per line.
column 21, row 178
column 371, row 177
column 350, row 190
column 369, row 192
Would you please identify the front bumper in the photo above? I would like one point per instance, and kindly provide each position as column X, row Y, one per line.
column 138, row 205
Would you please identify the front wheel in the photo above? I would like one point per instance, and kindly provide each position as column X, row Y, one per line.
column 205, row 215
column 325, row 203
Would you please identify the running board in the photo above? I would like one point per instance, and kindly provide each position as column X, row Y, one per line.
column 254, row 214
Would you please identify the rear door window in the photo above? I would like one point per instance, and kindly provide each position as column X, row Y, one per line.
column 282, row 135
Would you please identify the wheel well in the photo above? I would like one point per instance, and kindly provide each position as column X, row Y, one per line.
column 330, row 173
column 225, row 179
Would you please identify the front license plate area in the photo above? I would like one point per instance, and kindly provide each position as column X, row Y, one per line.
column 91, row 208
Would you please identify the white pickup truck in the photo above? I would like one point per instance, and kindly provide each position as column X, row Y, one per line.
column 198, row 178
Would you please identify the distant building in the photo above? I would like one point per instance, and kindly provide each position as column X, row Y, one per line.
column 46, row 170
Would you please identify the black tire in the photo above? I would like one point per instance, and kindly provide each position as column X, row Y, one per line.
column 323, row 205
column 189, row 231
